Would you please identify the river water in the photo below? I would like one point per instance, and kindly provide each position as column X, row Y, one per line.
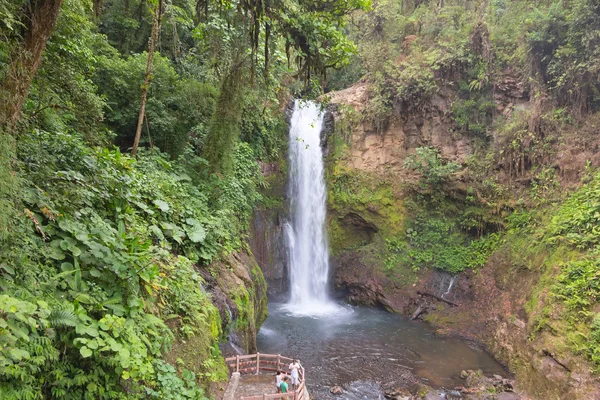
column 358, row 348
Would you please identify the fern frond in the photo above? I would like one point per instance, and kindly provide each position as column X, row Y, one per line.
column 62, row 318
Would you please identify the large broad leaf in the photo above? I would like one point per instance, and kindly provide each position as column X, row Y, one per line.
column 18, row 354
column 162, row 205
column 144, row 207
column 85, row 352
column 195, row 230
column 55, row 251
column 173, row 231
column 156, row 230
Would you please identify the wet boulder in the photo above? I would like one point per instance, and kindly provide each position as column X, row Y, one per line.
column 336, row 390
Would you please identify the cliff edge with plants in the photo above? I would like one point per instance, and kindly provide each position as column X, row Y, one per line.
column 463, row 165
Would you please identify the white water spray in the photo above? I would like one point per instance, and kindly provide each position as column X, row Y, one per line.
column 306, row 233
column 452, row 280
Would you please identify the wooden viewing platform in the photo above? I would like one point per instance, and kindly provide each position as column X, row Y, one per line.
column 260, row 364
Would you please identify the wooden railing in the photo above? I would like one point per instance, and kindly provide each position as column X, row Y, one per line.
column 257, row 363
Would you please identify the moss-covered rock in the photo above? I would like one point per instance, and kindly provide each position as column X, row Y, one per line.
column 239, row 290
column 232, row 310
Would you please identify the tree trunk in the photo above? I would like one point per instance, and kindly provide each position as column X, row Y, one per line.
column 153, row 40
column 420, row 310
column 40, row 19
column 225, row 124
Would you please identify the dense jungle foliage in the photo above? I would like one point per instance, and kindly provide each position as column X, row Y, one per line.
column 102, row 253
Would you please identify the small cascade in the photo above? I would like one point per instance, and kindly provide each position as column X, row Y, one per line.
column 452, row 280
column 237, row 349
column 306, row 234
column 232, row 337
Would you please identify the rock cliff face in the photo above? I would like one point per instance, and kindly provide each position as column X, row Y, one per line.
column 267, row 239
column 267, row 243
column 238, row 292
column 367, row 209
column 384, row 152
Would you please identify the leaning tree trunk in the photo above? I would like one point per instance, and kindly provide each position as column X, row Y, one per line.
column 40, row 19
column 153, row 40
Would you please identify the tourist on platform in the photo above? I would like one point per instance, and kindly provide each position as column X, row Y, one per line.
column 294, row 368
column 283, row 387
column 279, row 377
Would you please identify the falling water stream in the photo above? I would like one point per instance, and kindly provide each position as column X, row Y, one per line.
column 452, row 280
column 306, row 234
column 356, row 347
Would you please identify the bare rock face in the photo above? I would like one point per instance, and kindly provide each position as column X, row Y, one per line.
column 507, row 396
column 267, row 242
column 267, row 239
column 510, row 92
column 433, row 396
column 381, row 152
column 550, row 368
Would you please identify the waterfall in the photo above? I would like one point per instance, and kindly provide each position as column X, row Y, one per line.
column 452, row 280
column 306, row 233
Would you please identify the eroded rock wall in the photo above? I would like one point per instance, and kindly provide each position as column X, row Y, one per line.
column 239, row 291
column 501, row 304
column 384, row 151
column 267, row 235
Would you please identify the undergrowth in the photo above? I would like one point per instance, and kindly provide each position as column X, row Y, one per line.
column 102, row 253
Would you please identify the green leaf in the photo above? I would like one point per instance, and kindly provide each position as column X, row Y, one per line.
column 61, row 318
column 115, row 346
column 85, row 352
column 162, row 205
column 18, row 354
column 156, row 230
column 195, row 230
column 56, row 253
column 10, row 270
column 77, row 275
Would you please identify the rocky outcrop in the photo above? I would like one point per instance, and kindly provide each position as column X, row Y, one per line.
column 384, row 152
column 494, row 306
column 476, row 386
column 493, row 311
column 239, row 291
column 267, row 235
column 268, row 246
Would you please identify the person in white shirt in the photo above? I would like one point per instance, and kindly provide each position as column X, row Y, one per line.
column 279, row 378
column 294, row 368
